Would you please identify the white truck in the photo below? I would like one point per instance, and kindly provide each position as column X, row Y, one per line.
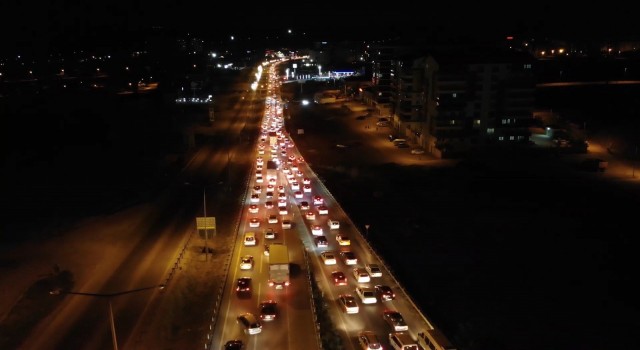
column 278, row 266
column 272, row 170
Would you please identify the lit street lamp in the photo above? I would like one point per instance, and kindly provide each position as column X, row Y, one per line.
column 109, row 296
column 367, row 230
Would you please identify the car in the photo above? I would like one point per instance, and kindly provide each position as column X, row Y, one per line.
column 367, row 295
column 343, row 239
column 310, row 215
column 333, row 224
column 323, row 210
column 300, row 160
column 339, row 278
column 259, row 161
column 235, row 344
column 257, row 189
column 373, row 270
column 348, row 303
column 369, row 341
column 269, row 233
column 273, row 181
column 246, row 262
column 268, row 204
column 417, row 151
column 254, row 222
column 298, row 195
column 306, row 181
column 250, row 323
column 259, row 179
column 253, row 209
column 304, row 205
column 273, row 219
column 295, row 186
column 328, row 258
column 243, row 285
column 268, row 310
column 361, row 275
column 281, row 189
column 317, row 200
column 250, row 239
column 395, row 320
column 316, row 230
column 392, row 137
column 286, row 224
column 282, row 203
column 321, row 242
column 384, row 293
column 283, row 211
column 349, row 257
column 306, row 188
column 255, row 198
column 269, row 195
column 282, row 196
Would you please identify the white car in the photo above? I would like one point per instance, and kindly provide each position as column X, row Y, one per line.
column 367, row 295
column 246, row 262
column 254, row 222
column 361, row 275
column 373, row 270
column 306, row 181
column 310, row 215
column 259, row 179
column 253, row 209
column 283, row 211
column 269, row 233
column 323, row 210
column 281, row 189
column 273, row 219
column 257, row 189
column 250, row 239
column 316, row 230
column 306, row 188
column 333, row 224
column 286, row 224
column 304, row 205
column 295, row 186
column 348, row 303
column 298, row 195
column 255, row 198
column 317, row 200
column 328, row 258
column 259, row 161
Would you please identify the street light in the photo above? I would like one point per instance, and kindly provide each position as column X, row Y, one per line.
column 110, row 296
column 367, row 230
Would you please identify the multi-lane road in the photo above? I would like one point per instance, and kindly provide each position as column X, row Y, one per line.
column 295, row 328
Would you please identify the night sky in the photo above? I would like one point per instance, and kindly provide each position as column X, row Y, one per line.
column 56, row 22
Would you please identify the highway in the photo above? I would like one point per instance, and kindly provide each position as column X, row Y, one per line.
column 294, row 329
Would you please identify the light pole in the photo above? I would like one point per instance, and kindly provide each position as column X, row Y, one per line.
column 367, row 230
column 110, row 296
column 206, row 233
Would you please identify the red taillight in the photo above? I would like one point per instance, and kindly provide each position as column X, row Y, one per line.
column 287, row 283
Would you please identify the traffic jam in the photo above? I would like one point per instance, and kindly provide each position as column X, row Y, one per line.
column 286, row 191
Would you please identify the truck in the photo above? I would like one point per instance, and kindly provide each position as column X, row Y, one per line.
column 278, row 266
column 273, row 139
column 272, row 170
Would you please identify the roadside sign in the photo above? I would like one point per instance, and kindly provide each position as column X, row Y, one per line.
column 206, row 223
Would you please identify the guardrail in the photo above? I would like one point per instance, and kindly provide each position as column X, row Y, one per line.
column 313, row 303
column 374, row 253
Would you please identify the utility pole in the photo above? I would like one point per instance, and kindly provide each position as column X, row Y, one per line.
column 206, row 233
column 109, row 297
